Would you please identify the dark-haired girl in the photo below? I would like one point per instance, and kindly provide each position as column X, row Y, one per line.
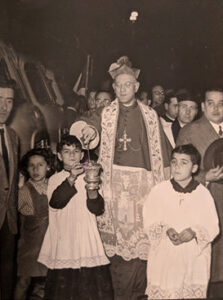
column 33, row 209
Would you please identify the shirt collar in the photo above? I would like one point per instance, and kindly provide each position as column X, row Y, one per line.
column 216, row 126
column 181, row 124
column 71, row 108
column 40, row 187
column 167, row 119
column 192, row 185
column 128, row 108
column 3, row 126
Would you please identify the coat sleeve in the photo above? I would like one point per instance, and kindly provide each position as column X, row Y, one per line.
column 62, row 195
column 94, row 120
column 183, row 137
column 95, row 123
column 166, row 147
column 96, row 206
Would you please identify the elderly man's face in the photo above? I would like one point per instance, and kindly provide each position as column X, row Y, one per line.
column 213, row 106
column 103, row 99
column 187, row 111
column 125, row 87
column 157, row 95
column 6, row 103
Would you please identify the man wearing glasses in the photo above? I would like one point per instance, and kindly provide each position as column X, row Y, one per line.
column 134, row 155
column 158, row 97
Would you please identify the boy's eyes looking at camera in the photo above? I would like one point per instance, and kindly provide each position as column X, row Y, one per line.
column 180, row 162
column 66, row 151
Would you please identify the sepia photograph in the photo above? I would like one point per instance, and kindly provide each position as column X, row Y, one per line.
column 111, row 149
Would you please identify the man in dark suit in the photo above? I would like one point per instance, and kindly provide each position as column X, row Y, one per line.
column 8, row 191
column 158, row 97
column 201, row 134
column 171, row 113
column 187, row 112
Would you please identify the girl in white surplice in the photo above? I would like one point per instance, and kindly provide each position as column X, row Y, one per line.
column 181, row 221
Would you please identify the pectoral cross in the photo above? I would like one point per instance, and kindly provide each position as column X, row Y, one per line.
column 124, row 139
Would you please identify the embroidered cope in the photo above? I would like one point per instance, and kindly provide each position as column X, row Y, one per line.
column 134, row 158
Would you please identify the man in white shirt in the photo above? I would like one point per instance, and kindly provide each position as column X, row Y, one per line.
column 201, row 134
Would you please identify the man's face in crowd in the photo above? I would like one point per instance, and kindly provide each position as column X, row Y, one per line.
column 91, row 100
column 144, row 98
column 157, row 95
column 125, row 87
column 6, row 103
column 103, row 99
column 213, row 106
column 172, row 108
column 187, row 111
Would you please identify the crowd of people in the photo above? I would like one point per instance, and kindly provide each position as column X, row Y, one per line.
column 151, row 226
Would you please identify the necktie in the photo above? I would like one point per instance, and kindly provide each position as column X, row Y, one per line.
column 4, row 152
column 220, row 132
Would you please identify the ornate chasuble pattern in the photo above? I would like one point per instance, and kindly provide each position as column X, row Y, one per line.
column 125, row 187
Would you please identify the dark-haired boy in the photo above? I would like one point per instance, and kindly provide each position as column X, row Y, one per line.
column 202, row 133
column 72, row 248
column 181, row 221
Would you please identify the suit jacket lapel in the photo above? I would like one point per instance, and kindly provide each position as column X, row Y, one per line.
column 209, row 130
column 12, row 148
column 207, row 135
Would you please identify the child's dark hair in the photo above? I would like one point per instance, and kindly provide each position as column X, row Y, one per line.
column 45, row 153
column 69, row 140
column 190, row 150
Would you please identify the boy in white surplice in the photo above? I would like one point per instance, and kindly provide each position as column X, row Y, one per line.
column 181, row 221
column 72, row 248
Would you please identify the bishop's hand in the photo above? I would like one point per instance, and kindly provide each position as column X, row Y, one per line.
column 88, row 134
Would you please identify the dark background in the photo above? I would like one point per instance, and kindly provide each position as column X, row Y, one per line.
column 176, row 43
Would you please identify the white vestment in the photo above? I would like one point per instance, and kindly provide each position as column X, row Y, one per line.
column 183, row 271
column 72, row 239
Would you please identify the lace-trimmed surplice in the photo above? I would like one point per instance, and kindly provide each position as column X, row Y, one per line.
column 183, row 271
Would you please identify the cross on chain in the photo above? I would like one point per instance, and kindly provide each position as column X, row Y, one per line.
column 124, row 139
